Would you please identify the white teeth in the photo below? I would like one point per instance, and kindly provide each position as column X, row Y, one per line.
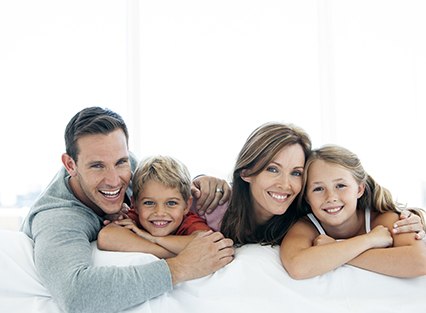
column 159, row 223
column 278, row 197
column 333, row 210
column 111, row 193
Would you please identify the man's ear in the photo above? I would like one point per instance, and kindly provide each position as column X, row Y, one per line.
column 244, row 176
column 69, row 164
column 361, row 189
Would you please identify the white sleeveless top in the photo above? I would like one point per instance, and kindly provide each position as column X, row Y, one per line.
column 322, row 231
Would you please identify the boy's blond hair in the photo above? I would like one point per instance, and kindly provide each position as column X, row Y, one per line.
column 165, row 170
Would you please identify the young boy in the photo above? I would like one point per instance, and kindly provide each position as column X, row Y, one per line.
column 159, row 222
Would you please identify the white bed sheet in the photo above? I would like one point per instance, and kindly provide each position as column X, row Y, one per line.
column 254, row 282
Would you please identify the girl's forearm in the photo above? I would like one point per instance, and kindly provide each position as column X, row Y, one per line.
column 403, row 261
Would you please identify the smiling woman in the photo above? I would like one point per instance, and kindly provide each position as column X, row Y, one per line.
column 347, row 72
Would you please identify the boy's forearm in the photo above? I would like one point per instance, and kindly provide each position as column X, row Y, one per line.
column 174, row 243
column 117, row 238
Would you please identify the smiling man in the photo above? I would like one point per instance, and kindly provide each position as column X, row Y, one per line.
column 68, row 215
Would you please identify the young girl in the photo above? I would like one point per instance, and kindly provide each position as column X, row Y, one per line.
column 160, row 223
column 350, row 222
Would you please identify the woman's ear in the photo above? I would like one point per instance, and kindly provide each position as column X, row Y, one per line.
column 244, row 176
column 69, row 164
column 361, row 189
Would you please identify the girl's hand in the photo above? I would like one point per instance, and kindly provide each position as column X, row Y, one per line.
column 380, row 237
column 323, row 240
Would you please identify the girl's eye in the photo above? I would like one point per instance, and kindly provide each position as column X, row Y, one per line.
column 316, row 189
column 340, row 186
column 148, row 203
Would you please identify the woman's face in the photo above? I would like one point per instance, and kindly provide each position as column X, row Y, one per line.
column 275, row 188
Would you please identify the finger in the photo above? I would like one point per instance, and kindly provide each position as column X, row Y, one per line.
column 226, row 195
column 420, row 235
column 195, row 191
column 205, row 196
column 405, row 214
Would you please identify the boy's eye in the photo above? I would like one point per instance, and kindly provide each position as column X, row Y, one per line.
column 171, row 203
column 148, row 203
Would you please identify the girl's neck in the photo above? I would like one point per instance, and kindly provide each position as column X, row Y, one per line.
column 350, row 228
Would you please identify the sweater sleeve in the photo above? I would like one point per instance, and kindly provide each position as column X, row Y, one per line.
column 63, row 255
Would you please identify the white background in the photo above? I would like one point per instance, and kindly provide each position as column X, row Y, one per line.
column 194, row 78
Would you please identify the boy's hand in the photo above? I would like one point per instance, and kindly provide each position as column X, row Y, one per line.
column 117, row 216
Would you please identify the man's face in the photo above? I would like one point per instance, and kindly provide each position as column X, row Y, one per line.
column 102, row 173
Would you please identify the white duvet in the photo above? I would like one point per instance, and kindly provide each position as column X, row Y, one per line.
column 254, row 282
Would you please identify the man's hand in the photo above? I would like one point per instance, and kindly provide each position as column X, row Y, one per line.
column 117, row 216
column 209, row 192
column 408, row 223
column 205, row 254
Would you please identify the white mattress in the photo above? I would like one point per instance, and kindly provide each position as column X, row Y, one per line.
column 254, row 282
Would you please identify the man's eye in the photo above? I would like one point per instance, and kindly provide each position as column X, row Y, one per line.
column 123, row 161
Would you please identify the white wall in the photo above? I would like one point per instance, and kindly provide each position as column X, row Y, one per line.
column 194, row 78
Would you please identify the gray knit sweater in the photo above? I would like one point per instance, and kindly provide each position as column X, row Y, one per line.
column 62, row 229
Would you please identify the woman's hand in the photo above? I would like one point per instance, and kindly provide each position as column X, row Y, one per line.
column 408, row 223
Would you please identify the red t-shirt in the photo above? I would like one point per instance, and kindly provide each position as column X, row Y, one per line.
column 190, row 223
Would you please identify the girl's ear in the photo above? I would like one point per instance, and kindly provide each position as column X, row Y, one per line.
column 244, row 176
column 69, row 164
column 361, row 189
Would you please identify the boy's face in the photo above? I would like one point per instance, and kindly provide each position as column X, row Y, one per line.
column 161, row 209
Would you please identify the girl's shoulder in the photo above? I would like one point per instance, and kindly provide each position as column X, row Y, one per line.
column 386, row 219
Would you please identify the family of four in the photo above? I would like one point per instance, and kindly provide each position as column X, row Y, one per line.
column 319, row 206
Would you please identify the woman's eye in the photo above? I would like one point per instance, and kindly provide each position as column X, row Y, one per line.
column 297, row 173
column 272, row 169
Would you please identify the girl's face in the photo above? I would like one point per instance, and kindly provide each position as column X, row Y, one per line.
column 332, row 192
column 161, row 209
column 274, row 189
